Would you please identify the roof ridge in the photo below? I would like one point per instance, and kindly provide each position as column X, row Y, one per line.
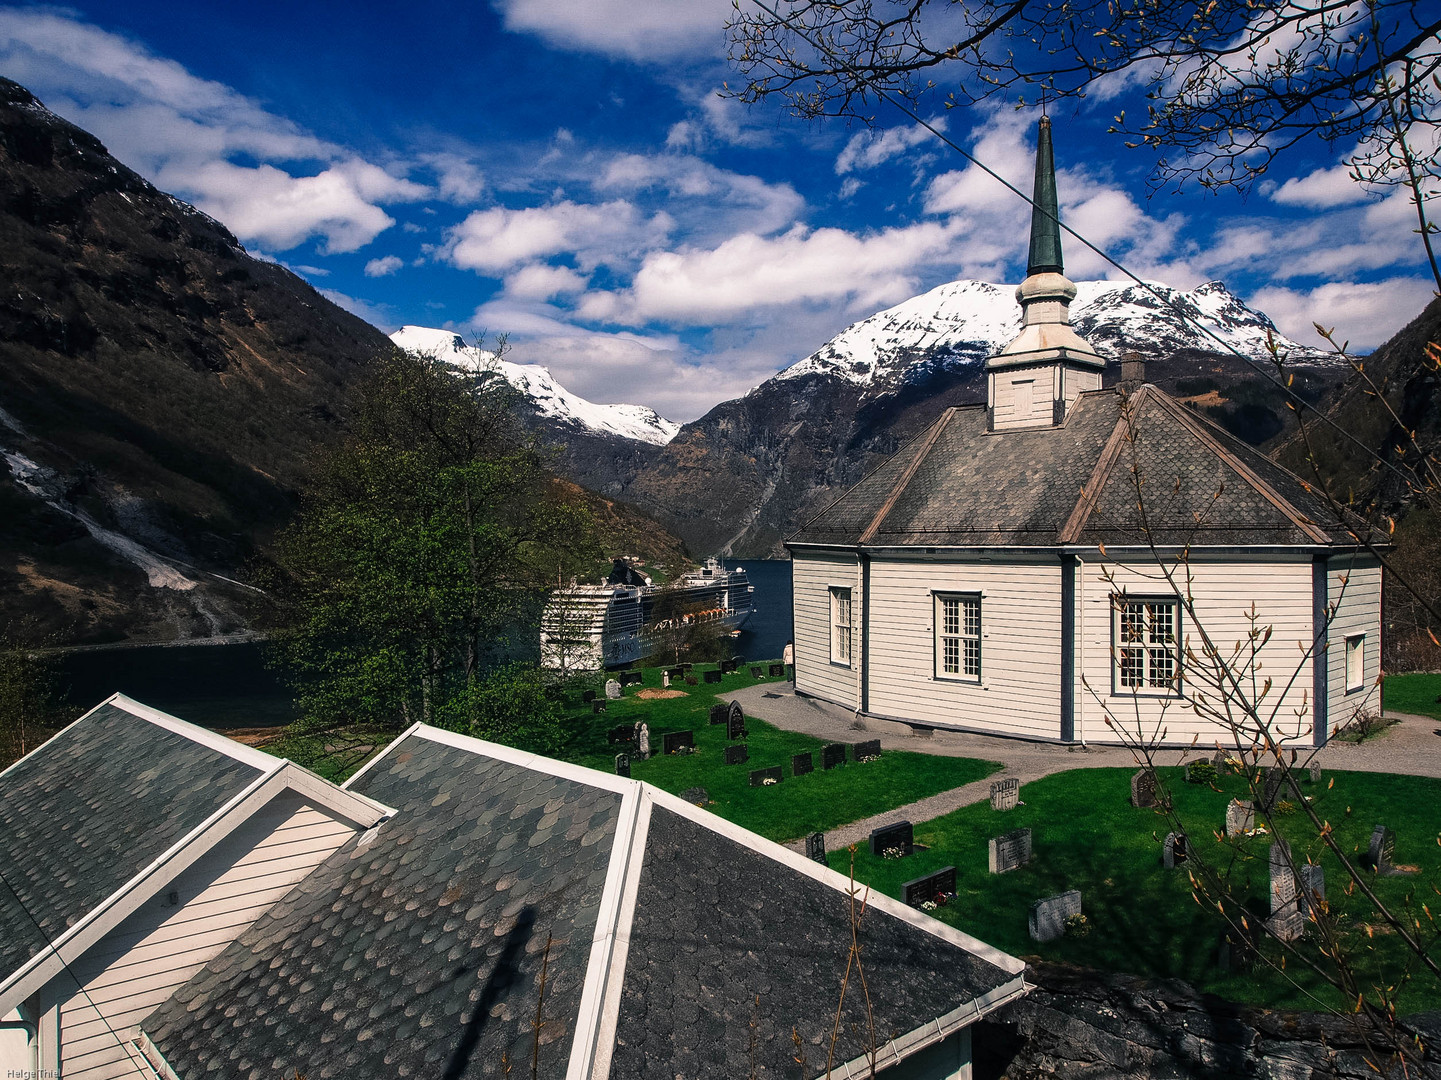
column 1198, row 428
column 926, row 443
column 1091, row 489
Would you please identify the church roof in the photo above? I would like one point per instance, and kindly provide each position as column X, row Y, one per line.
column 962, row 485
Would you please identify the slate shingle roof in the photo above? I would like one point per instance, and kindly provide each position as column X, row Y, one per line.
column 96, row 805
column 959, row 485
column 418, row 953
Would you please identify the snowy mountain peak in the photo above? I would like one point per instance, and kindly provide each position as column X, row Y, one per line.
column 963, row 322
column 550, row 399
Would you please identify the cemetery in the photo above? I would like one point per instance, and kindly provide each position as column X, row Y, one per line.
column 1075, row 844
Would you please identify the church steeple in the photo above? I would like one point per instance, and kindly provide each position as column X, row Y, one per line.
column 1032, row 381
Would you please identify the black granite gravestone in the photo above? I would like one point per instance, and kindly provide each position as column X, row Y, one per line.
column 833, row 754
column 892, row 837
column 712, row 676
column 735, row 721
column 757, row 672
column 672, row 741
column 737, row 755
column 718, row 713
column 869, row 749
column 597, row 706
column 816, row 848
column 622, row 764
column 624, row 733
column 802, row 764
column 760, row 776
column 930, row 889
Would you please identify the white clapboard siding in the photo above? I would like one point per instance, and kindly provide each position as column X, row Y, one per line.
column 1353, row 593
column 141, row 962
column 1223, row 593
column 1020, row 688
column 813, row 576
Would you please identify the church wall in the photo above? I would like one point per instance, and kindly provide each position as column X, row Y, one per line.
column 1222, row 593
column 1019, row 692
column 1353, row 590
column 1032, row 408
column 813, row 575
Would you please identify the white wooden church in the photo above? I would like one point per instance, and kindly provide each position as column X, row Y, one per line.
column 1080, row 564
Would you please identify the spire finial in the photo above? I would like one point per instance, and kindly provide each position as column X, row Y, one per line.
column 1045, row 214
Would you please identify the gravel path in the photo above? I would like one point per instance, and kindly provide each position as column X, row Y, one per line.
column 1410, row 747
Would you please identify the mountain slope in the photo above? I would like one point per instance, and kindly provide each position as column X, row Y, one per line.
column 750, row 471
column 162, row 392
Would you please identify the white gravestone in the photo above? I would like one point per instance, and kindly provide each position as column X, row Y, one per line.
column 612, row 689
column 643, row 743
column 1240, row 817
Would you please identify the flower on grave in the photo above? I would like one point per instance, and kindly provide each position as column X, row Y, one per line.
column 769, row 781
column 1078, row 925
column 868, row 757
column 929, row 905
column 893, row 853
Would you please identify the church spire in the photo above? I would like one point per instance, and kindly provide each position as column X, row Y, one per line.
column 1046, row 211
column 1034, row 379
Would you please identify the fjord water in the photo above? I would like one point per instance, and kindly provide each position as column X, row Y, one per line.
column 228, row 687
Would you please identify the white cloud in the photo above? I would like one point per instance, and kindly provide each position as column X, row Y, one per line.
column 650, row 31
column 459, row 180
column 728, row 202
column 541, row 282
column 1364, row 313
column 491, row 241
column 378, row 315
column 1321, row 190
column 867, row 149
column 383, row 267
column 849, row 186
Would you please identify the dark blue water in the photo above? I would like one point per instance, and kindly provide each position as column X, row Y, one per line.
column 228, row 686
column 766, row 632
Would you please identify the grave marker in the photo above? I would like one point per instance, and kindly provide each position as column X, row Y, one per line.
column 1218, row 759
column 1286, row 921
column 672, row 741
column 737, row 755
column 1048, row 916
column 757, row 672
column 900, row 835
column 612, row 690
column 802, row 764
column 1313, row 888
column 1005, row 794
column 1315, row 771
column 1010, row 851
column 760, row 776
column 718, row 713
column 1173, row 850
column 833, row 754
column 1240, row 817
column 587, row 696
column 735, row 721
column 712, row 676
column 1143, row 788
column 642, row 742
column 816, row 848
column 1271, row 788
column 624, row 733
column 930, row 888
column 777, row 669
column 622, row 764
column 597, row 706
column 729, row 667
column 1382, row 853
column 665, row 680
column 868, row 749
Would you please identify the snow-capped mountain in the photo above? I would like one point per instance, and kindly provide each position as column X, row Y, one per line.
column 963, row 322
column 551, row 400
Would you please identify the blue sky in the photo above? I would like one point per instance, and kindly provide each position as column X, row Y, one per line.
column 563, row 171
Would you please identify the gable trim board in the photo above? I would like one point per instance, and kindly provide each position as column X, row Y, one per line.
column 276, row 775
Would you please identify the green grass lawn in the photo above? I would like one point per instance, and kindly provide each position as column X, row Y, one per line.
column 790, row 809
column 1144, row 919
column 1413, row 694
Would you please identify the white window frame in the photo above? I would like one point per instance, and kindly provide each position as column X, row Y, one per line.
column 842, row 632
column 1152, row 655
column 1355, row 662
column 957, row 639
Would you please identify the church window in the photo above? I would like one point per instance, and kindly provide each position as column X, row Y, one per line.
column 958, row 636
column 1147, row 652
column 840, row 625
column 1355, row 663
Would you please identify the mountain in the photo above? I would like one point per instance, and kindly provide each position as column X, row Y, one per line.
column 746, row 474
column 161, row 393
column 600, row 447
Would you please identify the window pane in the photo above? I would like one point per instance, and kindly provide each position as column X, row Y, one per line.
column 973, row 657
column 951, row 651
column 1133, row 667
column 1132, row 622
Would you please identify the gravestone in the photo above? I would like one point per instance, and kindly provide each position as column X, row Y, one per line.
column 672, row 741
column 1286, row 921
column 697, row 795
column 757, row 671
column 1315, row 772
column 1218, row 759
column 622, row 764
column 642, row 742
column 1010, row 851
column 737, row 755
column 802, row 764
column 816, row 848
column 1173, row 850
column 712, row 676
column 729, row 666
column 1271, row 788
column 760, row 776
column 1237, row 951
column 597, row 706
column 1313, row 887
column 665, row 680
column 930, row 888
column 900, row 835
column 777, row 669
column 675, row 672
column 1005, row 794
column 833, row 754
column 868, row 749
column 612, row 689
column 1048, row 916
column 1240, row 817
column 624, row 733
column 1382, row 853
column 718, row 713
column 587, row 696
column 1143, row 788
column 735, row 721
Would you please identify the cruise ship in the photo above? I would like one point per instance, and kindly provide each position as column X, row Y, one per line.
column 590, row 627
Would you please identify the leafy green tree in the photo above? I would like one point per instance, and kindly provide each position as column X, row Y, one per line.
column 30, row 709
column 516, row 705
column 419, row 559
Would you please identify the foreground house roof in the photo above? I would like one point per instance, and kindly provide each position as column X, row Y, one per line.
column 668, row 942
column 962, row 485
column 95, row 821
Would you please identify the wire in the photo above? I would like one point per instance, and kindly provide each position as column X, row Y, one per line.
column 1174, row 307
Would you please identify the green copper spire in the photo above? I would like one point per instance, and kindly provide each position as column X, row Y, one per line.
column 1045, row 215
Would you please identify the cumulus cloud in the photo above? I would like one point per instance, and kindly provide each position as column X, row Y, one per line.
column 720, row 200
column 1365, row 313
column 867, row 149
column 383, row 267
column 541, row 282
column 1321, row 189
column 649, row 31
column 491, row 241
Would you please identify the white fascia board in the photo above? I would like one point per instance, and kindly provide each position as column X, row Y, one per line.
column 358, row 810
column 176, row 859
